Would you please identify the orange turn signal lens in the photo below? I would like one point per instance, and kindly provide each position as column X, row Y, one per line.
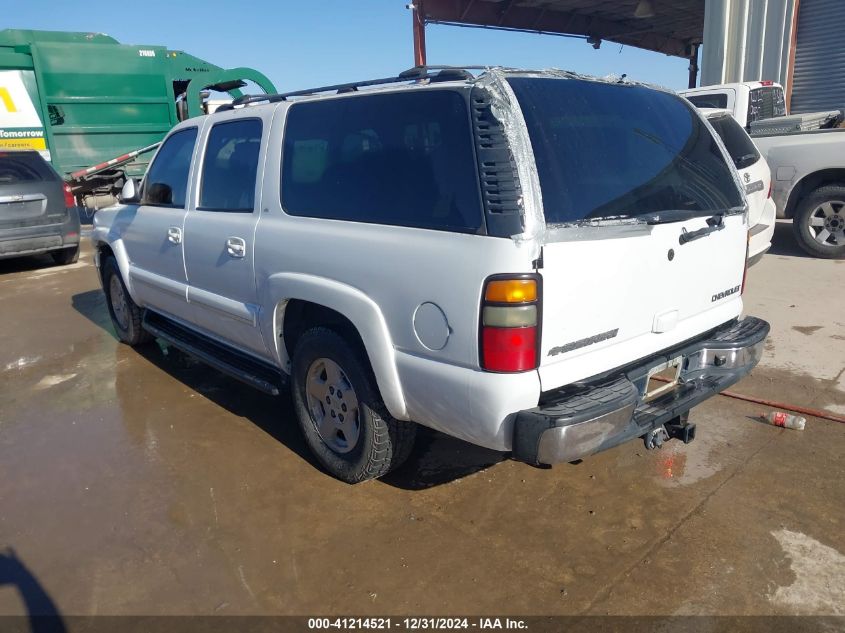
column 511, row 291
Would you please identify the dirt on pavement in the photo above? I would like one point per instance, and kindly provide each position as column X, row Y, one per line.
column 139, row 482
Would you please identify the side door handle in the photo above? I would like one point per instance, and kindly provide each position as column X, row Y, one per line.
column 174, row 235
column 236, row 247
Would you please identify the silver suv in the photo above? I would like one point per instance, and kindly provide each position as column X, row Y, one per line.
column 37, row 209
column 534, row 262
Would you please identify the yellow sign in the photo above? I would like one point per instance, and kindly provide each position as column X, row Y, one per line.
column 8, row 144
column 20, row 125
column 6, row 98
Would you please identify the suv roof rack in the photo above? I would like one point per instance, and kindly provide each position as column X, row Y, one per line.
column 417, row 73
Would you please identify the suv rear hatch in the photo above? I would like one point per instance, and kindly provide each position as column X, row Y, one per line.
column 646, row 232
column 31, row 192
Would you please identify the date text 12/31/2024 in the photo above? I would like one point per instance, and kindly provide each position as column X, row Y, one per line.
column 414, row 624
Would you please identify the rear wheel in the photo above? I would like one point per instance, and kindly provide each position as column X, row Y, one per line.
column 340, row 411
column 126, row 316
column 819, row 222
column 66, row 256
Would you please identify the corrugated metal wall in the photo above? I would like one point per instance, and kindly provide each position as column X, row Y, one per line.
column 819, row 82
column 747, row 40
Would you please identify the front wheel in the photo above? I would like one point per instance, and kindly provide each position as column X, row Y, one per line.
column 126, row 316
column 340, row 411
column 819, row 222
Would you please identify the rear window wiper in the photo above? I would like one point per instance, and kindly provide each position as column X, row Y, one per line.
column 653, row 218
column 673, row 215
column 714, row 223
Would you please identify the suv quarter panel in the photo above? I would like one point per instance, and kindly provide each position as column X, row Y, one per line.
column 364, row 314
column 385, row 272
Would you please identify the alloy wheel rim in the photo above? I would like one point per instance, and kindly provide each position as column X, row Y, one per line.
column 827, row 223
column 118, row 303
column 332, row 405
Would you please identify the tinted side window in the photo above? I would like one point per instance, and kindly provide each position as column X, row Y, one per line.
column 719, row 101
column 167, row 179
column 402, row 159
column 230, row 166
column 737, row 142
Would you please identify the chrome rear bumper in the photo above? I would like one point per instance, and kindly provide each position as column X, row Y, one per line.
column 572, row 423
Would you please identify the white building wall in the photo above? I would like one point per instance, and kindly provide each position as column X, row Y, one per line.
column 746, row 40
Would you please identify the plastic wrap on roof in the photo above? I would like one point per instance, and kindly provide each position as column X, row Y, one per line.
column 506, row 109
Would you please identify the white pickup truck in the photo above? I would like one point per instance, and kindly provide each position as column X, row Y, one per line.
column 535, row 262
column 807, row 165
column 808, row 186
column 747, row 101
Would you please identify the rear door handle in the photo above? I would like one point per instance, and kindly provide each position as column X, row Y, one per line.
column 236, row 247
column 174, row 235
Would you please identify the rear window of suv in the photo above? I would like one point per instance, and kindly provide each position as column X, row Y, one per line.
column 621, row 151
column 737, row 142
column 24, row 167
column 402, row 159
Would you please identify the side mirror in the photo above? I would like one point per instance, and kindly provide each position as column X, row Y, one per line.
column 130, row 192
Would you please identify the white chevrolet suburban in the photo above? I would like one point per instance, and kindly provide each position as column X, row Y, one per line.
column 534, row 262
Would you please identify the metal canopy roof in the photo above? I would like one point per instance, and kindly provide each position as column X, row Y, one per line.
column 673, row 27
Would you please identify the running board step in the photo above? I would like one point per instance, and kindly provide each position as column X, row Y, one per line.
column 228, row 360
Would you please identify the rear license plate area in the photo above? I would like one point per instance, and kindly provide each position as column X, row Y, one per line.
column 662, row 379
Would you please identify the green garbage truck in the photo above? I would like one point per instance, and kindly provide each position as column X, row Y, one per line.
column 96, row 108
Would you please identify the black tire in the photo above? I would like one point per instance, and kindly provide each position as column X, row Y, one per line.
column 383, row 442
column 129, row 331
column 809, row 211
column 66, row 256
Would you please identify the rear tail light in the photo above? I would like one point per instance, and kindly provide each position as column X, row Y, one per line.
column 510, row 323
column 70, row 199
column 511, row 290
column 769, row 195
